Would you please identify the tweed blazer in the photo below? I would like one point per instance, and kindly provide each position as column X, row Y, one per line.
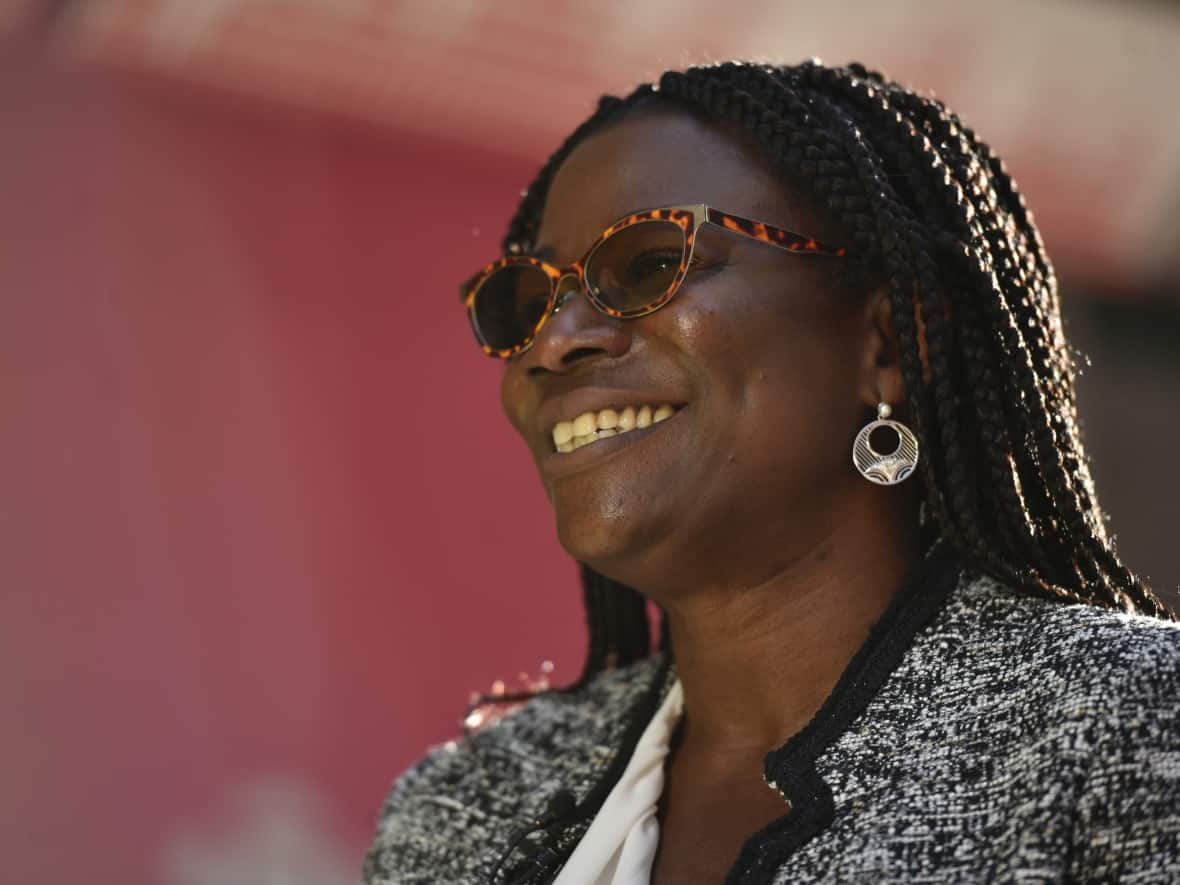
column 981, row 734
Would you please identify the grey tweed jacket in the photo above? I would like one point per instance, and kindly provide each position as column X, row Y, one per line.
column 979, row 735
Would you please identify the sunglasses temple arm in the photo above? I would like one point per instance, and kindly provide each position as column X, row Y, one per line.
column 769, row 234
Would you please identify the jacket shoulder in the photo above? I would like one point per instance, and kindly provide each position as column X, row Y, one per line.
column 450, row 813
column 1102, row 651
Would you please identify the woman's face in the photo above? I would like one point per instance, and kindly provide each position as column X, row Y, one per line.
column 773, row 372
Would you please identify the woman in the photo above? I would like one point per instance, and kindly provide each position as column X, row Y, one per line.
column 916, row 657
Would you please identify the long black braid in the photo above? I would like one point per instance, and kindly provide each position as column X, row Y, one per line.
column 928, row 209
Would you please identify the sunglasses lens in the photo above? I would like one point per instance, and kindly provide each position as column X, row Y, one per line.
column 510, row 304
column 634, row 267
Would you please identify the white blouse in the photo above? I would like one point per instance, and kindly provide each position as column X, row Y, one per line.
column 620, row 845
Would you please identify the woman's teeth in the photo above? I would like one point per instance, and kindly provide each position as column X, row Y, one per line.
column 591, row 426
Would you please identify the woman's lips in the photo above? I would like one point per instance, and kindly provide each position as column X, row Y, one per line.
column 556, row 464
column 592, row 426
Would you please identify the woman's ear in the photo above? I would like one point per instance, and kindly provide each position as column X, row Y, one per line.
column 881, row 376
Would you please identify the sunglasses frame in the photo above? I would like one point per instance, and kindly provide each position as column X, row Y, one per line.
column 690, row 218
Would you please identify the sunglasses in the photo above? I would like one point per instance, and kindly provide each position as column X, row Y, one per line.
column 633, row 269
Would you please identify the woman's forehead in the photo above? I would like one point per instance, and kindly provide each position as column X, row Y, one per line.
column 656, row 158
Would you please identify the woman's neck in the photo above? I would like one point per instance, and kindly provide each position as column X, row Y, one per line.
column 757, row 662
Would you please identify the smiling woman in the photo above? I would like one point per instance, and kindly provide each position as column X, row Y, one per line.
column 880, row 659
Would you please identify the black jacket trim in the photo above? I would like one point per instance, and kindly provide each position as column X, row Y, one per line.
column 792, row 766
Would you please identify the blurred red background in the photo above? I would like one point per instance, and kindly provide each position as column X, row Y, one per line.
column 263, row 526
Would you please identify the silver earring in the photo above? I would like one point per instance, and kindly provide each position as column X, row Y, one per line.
column 885, row 469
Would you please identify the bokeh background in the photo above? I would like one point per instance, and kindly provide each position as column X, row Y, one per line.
column 262, row 527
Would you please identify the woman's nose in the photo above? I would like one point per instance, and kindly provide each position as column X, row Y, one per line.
column 576, row 332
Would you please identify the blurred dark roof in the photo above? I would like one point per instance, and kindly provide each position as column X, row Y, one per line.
column 1077, row 96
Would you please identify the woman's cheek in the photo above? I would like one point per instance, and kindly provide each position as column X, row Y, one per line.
column 514, row 393
column 701, row 322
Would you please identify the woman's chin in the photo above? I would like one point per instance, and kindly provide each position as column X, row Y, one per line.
column 590, row 543
column 603, row 542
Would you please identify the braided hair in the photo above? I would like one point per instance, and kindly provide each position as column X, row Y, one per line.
column 930, row 210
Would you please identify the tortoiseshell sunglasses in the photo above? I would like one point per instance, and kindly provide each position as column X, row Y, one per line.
column 633, row 269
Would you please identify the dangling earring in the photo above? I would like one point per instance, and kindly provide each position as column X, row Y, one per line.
column 885, row 469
